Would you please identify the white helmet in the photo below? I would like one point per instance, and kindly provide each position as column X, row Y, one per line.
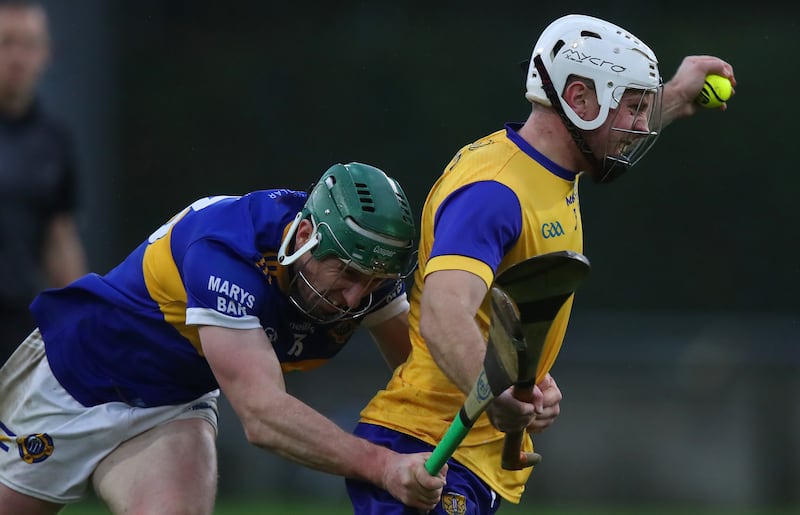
column 594, row 49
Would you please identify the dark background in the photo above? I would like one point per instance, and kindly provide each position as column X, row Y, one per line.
column 209, row 99
column 691, row 309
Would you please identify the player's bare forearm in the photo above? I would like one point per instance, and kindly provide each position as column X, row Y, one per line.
column 447, row 323
column 290, row 428
column 248, row 372
column 302, row 435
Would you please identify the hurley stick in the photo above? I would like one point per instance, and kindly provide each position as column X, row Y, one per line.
column 498, row 373
column 538, row 295
column 533, row 284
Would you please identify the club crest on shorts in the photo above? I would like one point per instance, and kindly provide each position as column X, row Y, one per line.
column 35, row 448
column 454, row 504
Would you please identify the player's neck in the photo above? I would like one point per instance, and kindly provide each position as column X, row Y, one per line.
column 545, row 132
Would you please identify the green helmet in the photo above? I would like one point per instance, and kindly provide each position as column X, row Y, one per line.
column 361, row 216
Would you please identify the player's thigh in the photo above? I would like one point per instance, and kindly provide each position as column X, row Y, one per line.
column 170, row 469
column 15, row 503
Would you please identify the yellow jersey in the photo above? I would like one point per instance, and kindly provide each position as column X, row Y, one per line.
column 498, row 202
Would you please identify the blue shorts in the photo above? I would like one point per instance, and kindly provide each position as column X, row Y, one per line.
column 464, row 494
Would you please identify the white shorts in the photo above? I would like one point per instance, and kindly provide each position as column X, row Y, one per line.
column 50, row 444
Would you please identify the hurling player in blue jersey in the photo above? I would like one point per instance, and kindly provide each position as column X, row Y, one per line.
column 117, row 387
column 598, row 105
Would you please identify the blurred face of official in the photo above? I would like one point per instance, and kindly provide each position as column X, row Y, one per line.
column 24, row 50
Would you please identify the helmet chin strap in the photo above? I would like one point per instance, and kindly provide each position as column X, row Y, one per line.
column 312, row 242
column 577, row 136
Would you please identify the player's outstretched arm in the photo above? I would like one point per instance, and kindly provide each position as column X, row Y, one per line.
column 682, row 89
column 248, row 372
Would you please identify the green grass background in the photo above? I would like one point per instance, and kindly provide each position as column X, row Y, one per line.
column 267, row 506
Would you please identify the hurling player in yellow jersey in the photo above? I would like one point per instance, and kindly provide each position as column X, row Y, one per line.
column 598, row 105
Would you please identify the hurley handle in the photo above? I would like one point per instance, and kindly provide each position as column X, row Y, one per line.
column 514, row 458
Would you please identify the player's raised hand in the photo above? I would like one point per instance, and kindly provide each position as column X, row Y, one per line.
column 682, row 89
column 406, row 478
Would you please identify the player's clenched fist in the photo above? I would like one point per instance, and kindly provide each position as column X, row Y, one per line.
column 550, row 407
column 408, row 481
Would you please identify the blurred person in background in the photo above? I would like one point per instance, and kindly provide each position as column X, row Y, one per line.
column 117, row 388
column 40, row 244
column 598, row 104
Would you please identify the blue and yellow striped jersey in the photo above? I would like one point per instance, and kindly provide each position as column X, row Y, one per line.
column 131, row 335
column 498, row 202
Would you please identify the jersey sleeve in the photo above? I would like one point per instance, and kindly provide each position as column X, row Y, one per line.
column 479, row 222
column 390, row 300
column 222, row 289
column 387, row 310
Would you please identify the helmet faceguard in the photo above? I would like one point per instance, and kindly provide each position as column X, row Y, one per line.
column 613, row 61
column 362, row 217
column 627, row 145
